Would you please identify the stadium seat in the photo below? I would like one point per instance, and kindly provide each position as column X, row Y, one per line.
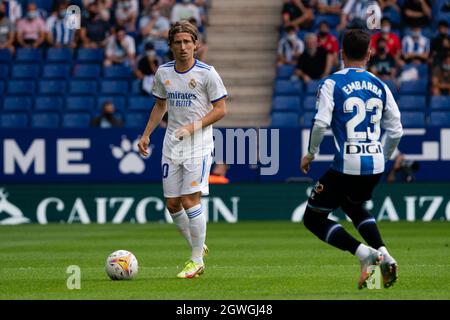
column 91, row 71
column 45, row 120
column 120, row 103
column 17, row 103
column 312, row 86
column 409, row 102
column 141, row 103
column 25, row 71
column 117, row 71
column 51, row 87
column 416, row 87
column 2, row 88
column 48, row 103
column 309, row 103
column 413, row 119
column 286, row 104
column 47, row 5
column 392, row 86
column 4, row 71
column 28, row 55
column 284, row 120
column 59, row 55
column 111, row 87
column 88, row 87
column 440, row 102
column 285, row 71
column 136, row 87
column 76, row 120
column 5, row 56
column 13, row 120
column 288, row 88
column 80, row 103
column 332, row 20
column 25, row 87
column 307, row 118
column 136, row 119
column 90, row 55
column 56, row 71
column 440, row 119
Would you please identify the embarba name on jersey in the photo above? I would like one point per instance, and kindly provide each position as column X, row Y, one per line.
column 362, row 85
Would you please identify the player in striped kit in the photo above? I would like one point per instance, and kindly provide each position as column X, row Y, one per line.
column 194, row 95
column 355, row 104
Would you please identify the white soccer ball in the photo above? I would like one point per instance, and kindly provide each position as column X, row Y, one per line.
column 121, row 265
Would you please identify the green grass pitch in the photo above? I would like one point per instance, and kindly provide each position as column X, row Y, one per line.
column 248, row 260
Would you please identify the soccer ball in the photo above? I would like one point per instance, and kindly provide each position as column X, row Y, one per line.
column 121, row 265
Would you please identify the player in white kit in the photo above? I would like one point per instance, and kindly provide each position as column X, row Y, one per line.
column 193, row 94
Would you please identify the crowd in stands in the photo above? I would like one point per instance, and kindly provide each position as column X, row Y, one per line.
column 54, row 74
column 410, row 52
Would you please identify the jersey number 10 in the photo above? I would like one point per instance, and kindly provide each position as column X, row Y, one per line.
column 361, row 109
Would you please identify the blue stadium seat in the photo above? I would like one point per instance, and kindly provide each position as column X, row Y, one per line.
column 80, row 103
column 312, row 86
column 13, row 120
column 25, row 71
column 47, row 5
column 91, row 71
column 90, row 55
column 409, row 102
column 120, row 103
column 136, row 86
column 5, row 56
column 307, row 119
column 56, row 71
column 2, row 88
column 28, row 55
column 286, row 104
column 141, row 103
column 45, row 120
column 392, row 86
column 51, row 87
column 309, row 103
column 25, row 87
column 76, row 120
column 136, row 119
column 284, row 120
column 114, row 87
column 59, row 55
column 285, row 71
column 4, row 71
column 440, row 119
column 413, row 119
column 288, row 88
column 440, row 102
column 117, row 71
column 48, row 103
column 17, row 103
column 88, row 87
column 332, row 20
column 418, row 87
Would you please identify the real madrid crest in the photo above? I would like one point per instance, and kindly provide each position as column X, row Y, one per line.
column 192, row 83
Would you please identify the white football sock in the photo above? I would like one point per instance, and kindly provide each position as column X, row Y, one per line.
column 181, row 220
column 362, row 252
column 197, row 226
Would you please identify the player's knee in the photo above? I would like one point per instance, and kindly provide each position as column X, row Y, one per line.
column 190, row 200
column 174, row 205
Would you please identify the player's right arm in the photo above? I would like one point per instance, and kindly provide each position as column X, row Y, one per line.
column 155, row 118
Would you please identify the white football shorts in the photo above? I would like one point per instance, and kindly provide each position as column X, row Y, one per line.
column 182, row 177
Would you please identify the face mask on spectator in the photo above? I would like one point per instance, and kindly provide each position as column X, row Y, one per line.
column 155, row 14
column 62, row 13
column 416, row 34
column 323, row 33
column 126, row 5
column 150, row 53
column 32, row 15
column 382, row 50
column 386, row 29
column 292, row 37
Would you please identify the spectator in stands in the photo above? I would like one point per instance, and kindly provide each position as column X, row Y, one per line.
column 121, row 49
column 394, row 47
column 104, row 8
column 7, row 30
column 382, row 64
column 146, row 68
column 202, row 47
column 415, row 47
column 296, row 14
column 328, row 41
column 107, row 119
column 315, row 63
column 94, row 30
column 290, row 47
column 31, row 30
column 332, row 7
column 416, row 13
column 440, row 80
column 218, row 174
column 354, row 14
column 185, row 10
column 390, row 8
column 152, row 25
column 58, row 33
column 126, row 14
column 440, row 46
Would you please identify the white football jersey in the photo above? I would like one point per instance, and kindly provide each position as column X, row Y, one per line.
column 189, row 96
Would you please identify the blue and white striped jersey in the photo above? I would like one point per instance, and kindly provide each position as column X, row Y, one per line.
column 355, row 104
